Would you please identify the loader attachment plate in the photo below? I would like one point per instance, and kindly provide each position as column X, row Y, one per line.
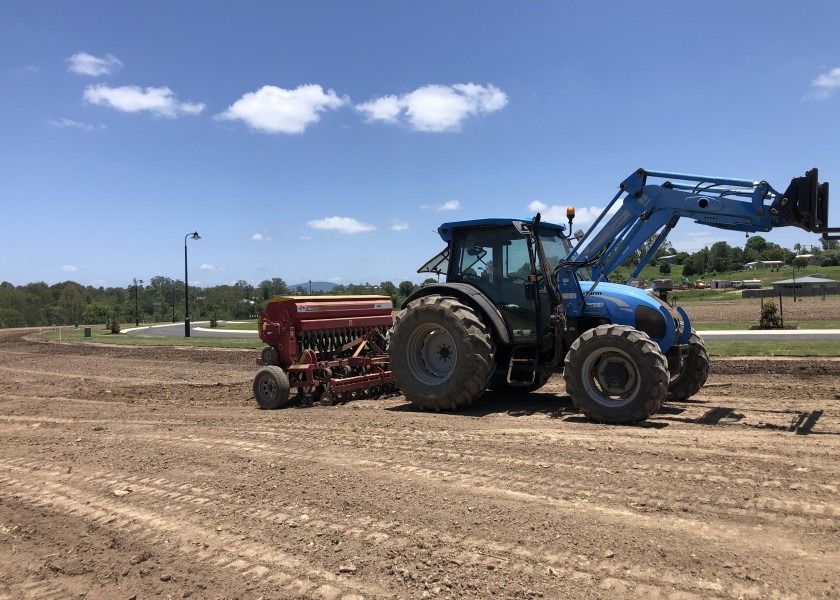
column 805, row 204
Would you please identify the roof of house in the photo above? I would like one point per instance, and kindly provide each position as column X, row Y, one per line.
column 804, row 279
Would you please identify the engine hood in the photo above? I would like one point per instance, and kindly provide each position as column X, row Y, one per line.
column 626, row 305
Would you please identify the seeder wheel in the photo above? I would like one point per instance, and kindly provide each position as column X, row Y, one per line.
column 271, row 387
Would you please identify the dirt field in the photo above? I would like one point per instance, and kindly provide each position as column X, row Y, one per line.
column 150, row 473
column 723, row 311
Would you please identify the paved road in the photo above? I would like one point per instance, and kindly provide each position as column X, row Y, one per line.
column 197, row 329
column 202, row 329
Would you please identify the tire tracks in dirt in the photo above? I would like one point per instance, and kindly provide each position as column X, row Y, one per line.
column 71, row 494
column 625, row 576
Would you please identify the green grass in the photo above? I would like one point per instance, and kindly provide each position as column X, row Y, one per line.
column 249, row 325
column 793, row 348
column 104, row 336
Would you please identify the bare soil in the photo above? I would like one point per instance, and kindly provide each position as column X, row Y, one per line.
column 150, row 473
column 749, row 310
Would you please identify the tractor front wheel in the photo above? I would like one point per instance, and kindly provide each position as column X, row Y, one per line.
column 616, row 374
column 441, row 353
column 271, row 387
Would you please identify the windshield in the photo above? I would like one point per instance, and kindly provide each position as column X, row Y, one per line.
column 556, row 249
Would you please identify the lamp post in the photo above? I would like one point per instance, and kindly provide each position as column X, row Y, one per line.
column 136, row 303
column 194, row 235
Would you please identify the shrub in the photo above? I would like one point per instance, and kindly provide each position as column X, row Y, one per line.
column 115, row 325
column 770, row 316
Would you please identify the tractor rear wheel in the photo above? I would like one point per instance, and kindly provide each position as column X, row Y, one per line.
column 271, row 387
column 441, row 353
column 616, row 374
column 695, row 370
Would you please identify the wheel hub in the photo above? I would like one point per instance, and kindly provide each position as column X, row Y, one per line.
column 438, row 353
column 268, row 388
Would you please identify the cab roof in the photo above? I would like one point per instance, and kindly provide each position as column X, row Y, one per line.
column 447, row 230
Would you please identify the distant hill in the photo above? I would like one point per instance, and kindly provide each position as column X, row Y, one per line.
column 317, row 286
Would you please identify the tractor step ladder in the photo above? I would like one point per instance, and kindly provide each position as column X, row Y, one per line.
column 532, row 369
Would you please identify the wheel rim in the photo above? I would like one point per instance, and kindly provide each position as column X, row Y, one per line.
column 268, row 387
column 432, row 354
column 611, row 377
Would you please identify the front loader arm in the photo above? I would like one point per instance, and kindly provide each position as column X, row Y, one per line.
column 647, row 209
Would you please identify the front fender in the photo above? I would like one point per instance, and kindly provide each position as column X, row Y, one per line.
column 626, row 305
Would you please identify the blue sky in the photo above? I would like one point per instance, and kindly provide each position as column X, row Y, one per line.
column 328, row 140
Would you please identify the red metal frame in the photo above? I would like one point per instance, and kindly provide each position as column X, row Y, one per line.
column 287, row 318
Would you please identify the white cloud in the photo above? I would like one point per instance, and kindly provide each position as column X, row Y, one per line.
column 397, row 225
column 208, row 267
column 63, row 123
column 274, row 110
column 341, row 224
column 130, row 98
column 69, row 268
column 83, row 63
column 263, row 236
column 449, row 205
column 557, row 214
column 305, row 238
column 826, row 84
column 436, row 107
column 386, row 108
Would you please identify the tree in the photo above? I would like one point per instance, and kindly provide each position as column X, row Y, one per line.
column 698, row 261
column 71, row 302
column 800, row 262
column 406, row 288
column 388, row 288
column 830, row 244
column 11, row 317
column 754, row 248
column 664, row 268
column 97, row 312
column 720, row 256
column 271, row 288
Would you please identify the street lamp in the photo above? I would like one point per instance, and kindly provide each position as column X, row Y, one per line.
column 194, row 235
column 136, row 304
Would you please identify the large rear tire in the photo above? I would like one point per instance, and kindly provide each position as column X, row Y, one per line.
column 694, row 372
column 271, row 387
column 441, row 353
column 616, row 374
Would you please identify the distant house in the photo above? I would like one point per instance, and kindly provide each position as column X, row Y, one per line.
column 808, row 285
column 764, row 264
column 671, row 259
column 812, row 259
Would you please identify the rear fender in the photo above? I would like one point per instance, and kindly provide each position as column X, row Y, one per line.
column 472, row 297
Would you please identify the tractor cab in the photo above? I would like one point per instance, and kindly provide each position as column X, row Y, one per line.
column 496, row 257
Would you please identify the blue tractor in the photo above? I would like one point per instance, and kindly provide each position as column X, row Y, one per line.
column 521, row 301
